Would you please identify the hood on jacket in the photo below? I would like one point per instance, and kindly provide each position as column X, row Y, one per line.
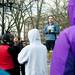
column 34, row 36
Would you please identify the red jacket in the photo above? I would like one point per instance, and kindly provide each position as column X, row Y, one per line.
column 6, row 61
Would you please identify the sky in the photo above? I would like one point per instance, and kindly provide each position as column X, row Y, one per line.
column 45, row 8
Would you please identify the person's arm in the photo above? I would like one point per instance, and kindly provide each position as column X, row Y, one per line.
column 57, row 29
column 23, row 55
column 45, row 30
column 60, row 54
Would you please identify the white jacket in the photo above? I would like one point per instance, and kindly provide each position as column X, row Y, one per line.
column 35, row 55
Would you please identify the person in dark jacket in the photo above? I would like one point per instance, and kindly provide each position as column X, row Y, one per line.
column 14, row 51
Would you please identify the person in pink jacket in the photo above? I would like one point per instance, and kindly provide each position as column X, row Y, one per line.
column 63, row 57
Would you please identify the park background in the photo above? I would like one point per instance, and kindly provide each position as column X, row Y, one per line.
column 19, row 16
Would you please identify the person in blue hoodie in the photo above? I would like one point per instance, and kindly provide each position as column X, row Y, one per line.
column 50, row 31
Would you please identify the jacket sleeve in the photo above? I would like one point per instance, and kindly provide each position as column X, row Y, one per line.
column 59, row 55
column 57, row 29
column 23, row 55
column 45, row 30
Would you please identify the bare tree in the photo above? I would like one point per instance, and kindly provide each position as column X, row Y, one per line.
column 18, row 17
column 39, row 9
column 60, row 12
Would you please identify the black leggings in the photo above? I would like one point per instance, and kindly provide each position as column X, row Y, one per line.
column 50, row 44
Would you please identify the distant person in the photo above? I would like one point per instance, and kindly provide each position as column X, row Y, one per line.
column 14, row 51
column 63, row 57
column 34, row 55
column 50, row 31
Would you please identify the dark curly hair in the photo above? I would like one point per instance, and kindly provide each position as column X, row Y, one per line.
column 6, row 37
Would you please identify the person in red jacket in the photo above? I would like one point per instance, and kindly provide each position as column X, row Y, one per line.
column 6, row 60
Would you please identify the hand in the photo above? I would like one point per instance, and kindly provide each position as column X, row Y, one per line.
column 49, row 31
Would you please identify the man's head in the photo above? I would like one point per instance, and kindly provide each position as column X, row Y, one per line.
column 7, row 37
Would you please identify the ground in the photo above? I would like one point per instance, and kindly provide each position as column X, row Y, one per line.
column 49, row 61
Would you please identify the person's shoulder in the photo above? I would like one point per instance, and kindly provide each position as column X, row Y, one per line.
column 55, row 23
column 68, row 31
column 27, row 46
column 46, row 24
column 72, row 28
